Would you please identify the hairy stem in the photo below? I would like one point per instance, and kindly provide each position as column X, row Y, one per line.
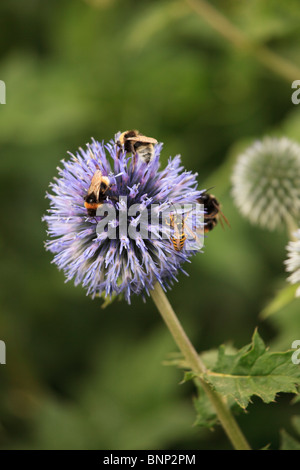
column 233, row 34
column 195, row 363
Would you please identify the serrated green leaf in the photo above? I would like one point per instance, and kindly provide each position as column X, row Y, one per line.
column 253, row 370
column 206, row 415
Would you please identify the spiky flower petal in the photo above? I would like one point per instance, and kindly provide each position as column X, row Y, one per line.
column 293, row 261
column 123, row 265
column 266, row 182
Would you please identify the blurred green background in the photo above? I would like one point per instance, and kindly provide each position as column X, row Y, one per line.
column 77, row 376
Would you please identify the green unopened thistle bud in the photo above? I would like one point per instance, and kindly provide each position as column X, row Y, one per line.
column 293, row 261
column 266, row 182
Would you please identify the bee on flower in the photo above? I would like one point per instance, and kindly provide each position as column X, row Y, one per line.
column 99, row 181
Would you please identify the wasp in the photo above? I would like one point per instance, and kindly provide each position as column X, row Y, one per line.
column 178, row 236
column 180, row 230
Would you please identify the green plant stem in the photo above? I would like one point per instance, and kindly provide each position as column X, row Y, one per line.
column 231, row 33
column 195, row 363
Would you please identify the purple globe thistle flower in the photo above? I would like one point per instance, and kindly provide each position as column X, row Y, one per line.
column 122, row 265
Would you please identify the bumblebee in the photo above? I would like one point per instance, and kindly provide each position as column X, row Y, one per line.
column 213, row 212
column 96, row 193
column 137, row 144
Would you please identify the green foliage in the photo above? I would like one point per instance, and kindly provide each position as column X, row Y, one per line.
column 253, row 370
column 239, row 375
column 205, row 414
column 75, row 70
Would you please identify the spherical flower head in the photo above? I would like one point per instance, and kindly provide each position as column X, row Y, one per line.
column 266, row 182
column 124, row 265
column 293, row 261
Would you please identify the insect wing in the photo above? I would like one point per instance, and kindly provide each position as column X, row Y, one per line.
column 95, row 185
column 143, row 139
